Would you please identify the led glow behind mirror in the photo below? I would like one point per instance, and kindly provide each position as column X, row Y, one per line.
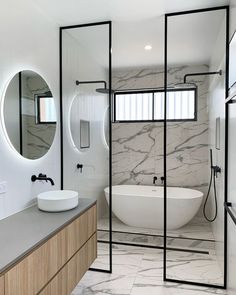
column 29, row 115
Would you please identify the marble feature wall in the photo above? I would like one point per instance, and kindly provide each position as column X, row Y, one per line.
column 36, row 138
column 138, row 147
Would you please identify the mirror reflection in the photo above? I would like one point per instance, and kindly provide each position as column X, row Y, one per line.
column 84, row 134
column 29, row 114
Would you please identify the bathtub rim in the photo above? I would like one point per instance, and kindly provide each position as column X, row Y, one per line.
column 199, row 194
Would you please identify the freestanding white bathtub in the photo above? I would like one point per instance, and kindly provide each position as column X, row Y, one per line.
column 142, row 206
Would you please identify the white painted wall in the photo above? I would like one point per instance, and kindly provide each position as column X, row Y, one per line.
column 29, row 41
column 78, row 64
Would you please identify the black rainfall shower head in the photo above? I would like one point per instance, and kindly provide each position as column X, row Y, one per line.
column 185, row 85
column 104, row 90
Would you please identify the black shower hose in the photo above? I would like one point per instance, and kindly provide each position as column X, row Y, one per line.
column 213, row 175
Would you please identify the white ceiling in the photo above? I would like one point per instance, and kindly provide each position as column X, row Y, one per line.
column 138, row 22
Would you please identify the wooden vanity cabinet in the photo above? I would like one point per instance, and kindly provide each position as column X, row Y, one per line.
column 57, row 265
column 2, row 285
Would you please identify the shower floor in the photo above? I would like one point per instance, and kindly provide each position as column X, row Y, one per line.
column 198, row 231
column 139, row 271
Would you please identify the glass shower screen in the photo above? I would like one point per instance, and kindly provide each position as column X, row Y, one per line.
column 85, row 110
column 195, row 71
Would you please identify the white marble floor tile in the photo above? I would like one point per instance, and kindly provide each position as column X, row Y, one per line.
column 102, row 283
column 139, row 271
column 175, row 290
column 193, row 267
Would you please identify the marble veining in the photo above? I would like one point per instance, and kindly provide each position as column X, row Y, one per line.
column 36, row 138
column 138, row 147
column 140, row 271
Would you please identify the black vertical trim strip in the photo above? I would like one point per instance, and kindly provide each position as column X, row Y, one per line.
column 61, row 108
column 20, row 113
column 165, row 149
column 110, row 145
column 226, row 147
column 153, row 106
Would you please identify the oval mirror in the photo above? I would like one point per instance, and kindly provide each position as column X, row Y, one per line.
column 80, row 122
column 29, row 114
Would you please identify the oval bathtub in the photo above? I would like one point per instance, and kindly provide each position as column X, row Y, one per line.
column 142, row 206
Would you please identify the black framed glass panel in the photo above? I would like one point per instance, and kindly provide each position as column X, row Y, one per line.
column 85, row 98
column 196, row 57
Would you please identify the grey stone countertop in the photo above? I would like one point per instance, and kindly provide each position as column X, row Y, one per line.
column 22, row 232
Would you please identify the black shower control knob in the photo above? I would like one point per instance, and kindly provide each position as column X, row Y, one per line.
column 80, row 166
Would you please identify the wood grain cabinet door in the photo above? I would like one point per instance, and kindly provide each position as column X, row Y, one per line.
column 79, row 231
column 67, row 279
column 34, row 272
column 2, row 291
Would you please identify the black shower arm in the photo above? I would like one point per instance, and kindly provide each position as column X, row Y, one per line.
column 77, row 82
column 202, row 74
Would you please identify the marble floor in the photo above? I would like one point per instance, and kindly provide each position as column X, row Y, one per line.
column 197, row 228
column 139, row 270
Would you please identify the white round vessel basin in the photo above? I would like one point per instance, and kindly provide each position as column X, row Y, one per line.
column 57, row 201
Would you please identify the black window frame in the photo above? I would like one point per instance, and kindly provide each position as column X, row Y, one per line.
column 37, row 98
column 153, row 91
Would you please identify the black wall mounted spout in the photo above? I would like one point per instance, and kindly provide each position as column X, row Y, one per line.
column 154, row 180
column 42, row 177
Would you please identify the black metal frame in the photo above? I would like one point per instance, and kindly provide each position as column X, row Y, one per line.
column 20, row 112
column 226, row 8
column 228, row 205
column 37, row 98
column 109, row 23
column 153, row 91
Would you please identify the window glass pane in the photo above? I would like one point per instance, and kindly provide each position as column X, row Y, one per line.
column 135, row 106
column 139, row 106
column 159, row 106
column 180, row 105
column 47, row 110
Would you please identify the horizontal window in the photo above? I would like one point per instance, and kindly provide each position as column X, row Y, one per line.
column 149, row 106
column 46, row 113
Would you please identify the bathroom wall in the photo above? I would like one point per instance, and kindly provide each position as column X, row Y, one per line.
column 216, row 98
column 83, row 102
column 29, row 40
column 138, row 148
